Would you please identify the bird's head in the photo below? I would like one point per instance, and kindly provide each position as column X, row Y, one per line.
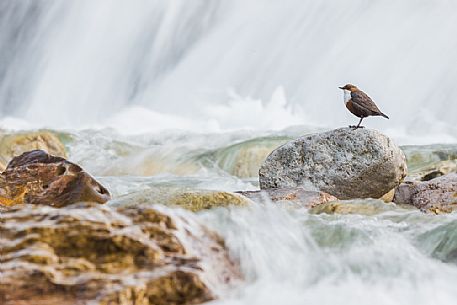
column 349, row 87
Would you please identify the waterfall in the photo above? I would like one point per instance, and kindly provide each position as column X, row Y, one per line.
column 80, row 62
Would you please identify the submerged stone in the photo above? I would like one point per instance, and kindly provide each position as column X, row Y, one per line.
column 434, row 170
column 244, row 159
column 358, row 207
column 14, row 144
column 345, row 163
column 190, row 199
column 37, row 177
column 297, row 196
column 93, row 254
column 440, row 242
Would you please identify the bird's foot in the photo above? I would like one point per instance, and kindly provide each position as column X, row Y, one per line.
column 355, row 127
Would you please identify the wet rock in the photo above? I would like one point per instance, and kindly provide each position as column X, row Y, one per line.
column 404, row 192
column 389, row 196
column 297, row 196
column 14, row 144
column 345, row 163
column 359, row 207
column 438, row 195
column 94, row 254
column 36, row 177
column 190, row 199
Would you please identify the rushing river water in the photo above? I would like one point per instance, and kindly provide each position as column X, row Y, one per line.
column 195, row 94
column 388, row 255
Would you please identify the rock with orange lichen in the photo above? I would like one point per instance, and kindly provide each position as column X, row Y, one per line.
column 36, row 177
column 14, row 144
column 96, row 254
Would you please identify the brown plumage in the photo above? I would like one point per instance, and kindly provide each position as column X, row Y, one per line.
column 360, row 104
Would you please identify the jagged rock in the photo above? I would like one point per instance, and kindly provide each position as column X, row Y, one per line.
column 95, row 254
column 298, row 196
column 14, row 144
column 345, row 163
column 193, row 200
column 438, row 195
column 36, row 177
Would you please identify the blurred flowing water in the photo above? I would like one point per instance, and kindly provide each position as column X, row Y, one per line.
column 195, row 94
column 145, row 66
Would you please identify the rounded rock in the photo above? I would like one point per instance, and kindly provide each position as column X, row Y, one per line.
column 345, row 163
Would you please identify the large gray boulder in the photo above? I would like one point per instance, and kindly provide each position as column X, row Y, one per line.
column 345, row 163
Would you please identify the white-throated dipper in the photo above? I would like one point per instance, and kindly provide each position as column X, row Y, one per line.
column 360, row 104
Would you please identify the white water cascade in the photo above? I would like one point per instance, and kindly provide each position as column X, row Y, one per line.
column 211, row 65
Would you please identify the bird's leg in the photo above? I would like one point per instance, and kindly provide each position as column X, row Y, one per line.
column 360, row 122
column 358, row 125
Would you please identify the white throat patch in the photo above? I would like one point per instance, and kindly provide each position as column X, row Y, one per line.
column 347, row 96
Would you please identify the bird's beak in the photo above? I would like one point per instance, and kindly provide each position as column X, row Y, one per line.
column 341, row 88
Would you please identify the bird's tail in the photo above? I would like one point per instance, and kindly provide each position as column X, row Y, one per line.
column 382, row 114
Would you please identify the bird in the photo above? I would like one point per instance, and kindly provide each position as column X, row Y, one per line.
column 360, row 104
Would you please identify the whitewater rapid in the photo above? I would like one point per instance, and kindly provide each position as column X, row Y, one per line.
column 389, row 258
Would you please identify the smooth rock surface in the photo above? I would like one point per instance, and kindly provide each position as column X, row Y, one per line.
column 36, row 177
column 96, row 254
column 14, row 144
column 345, row 163
column 438, row 195
column 357, row 207
column 389, row 196
column 190, row 199
column 298, row 196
